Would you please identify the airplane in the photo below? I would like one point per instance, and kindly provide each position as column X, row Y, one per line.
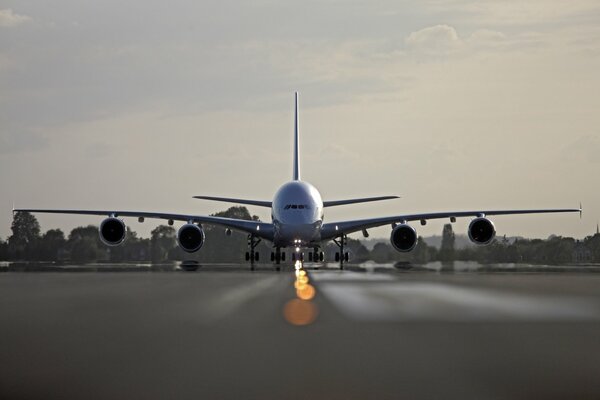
column 297, row 221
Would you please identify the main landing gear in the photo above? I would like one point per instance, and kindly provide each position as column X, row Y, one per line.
column 277, row 256
column 252, row 255
column 341, row 256
column 316, row 255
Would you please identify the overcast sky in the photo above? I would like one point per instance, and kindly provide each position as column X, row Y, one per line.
column 454, row 105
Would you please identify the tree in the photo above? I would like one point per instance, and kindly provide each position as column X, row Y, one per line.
column 237, row 212
column 84, row 244
column 133, row 248
column 423, row 253
column 51, row 245
column 3, row 250
column 162, row 242
column 25, row 235
column 381, row 253
column 447, row 249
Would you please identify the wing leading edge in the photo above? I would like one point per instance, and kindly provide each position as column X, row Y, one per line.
column 335, row 229
column 359, row 200
column 259, row 203
column 260, row 229
column 269, row 204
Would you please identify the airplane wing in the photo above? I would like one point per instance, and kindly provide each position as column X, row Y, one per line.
column 259, row 203
column 354, row 201
column 260, row 229
column 335, row 229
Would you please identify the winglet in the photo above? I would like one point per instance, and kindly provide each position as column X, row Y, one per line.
column 296, row 173
column 580, row 211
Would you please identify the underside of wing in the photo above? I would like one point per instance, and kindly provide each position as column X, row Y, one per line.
column 336, row 229
column 257, row 228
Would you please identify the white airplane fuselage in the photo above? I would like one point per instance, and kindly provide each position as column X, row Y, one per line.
column 297, row 215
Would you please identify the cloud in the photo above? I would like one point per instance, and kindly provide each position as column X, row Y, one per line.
column 9, row 19
column 434, row 39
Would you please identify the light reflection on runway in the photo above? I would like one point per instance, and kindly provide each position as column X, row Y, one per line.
column 302, row 310
column 385, row 297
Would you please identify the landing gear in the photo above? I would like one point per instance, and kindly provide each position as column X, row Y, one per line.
column 252, row 255
column 189, row 265
column 277, row 256
column 316, row 255
column 341, row 256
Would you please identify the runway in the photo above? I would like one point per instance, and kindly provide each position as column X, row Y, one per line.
column 371, row 331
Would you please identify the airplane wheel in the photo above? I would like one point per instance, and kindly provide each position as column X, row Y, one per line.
column 346, row 257
column 310, row 257
column 256, row 256
column 272, row 256
column 282, row 256
column 277, row 269
column 337, row 257
column 321, row 257
column 189, row 266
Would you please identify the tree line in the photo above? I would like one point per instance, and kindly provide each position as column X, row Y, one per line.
column 83, row 245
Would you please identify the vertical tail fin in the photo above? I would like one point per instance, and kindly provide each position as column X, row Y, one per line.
column 296, row 176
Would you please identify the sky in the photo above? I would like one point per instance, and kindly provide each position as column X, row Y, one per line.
column 450, row 104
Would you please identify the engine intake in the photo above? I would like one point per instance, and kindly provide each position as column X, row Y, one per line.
column 481, row 231
column 112, row 231
column 190, row 238
column 404, row 238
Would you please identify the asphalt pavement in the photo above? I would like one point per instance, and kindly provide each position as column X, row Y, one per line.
column 370, row 331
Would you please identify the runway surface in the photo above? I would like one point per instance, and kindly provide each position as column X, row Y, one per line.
column 518, row 332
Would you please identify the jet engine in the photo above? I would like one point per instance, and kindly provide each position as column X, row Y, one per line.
column 190, row 238
column 481, row 231
column 112, row 231
column 404, row 238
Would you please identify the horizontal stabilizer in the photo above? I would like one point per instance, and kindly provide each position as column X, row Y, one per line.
column 259, row 203
column 354, row 201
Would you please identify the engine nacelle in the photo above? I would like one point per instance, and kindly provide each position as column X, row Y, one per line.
column 190, row 238
column 112, row 231
column 481, row 231
column 404, row 238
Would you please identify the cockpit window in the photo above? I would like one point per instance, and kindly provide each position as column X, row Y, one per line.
column 297, row 206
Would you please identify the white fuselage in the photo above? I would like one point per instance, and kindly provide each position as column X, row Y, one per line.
column 297, row 214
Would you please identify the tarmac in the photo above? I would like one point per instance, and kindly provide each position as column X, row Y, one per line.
column 371, row 331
